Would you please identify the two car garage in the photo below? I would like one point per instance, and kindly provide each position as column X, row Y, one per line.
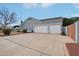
column 49, row 25
column 48, row 29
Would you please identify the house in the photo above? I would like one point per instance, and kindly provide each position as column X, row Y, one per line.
column 16, row 28
column 50, row 25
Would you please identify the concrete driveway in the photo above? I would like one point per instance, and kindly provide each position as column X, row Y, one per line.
column 33, row 44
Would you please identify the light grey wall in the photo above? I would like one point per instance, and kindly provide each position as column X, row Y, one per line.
column 77, row 33
column 53, row 21
column 64, row 30
column 31, row 23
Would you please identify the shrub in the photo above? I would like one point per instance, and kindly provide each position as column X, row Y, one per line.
column 69, row 21
column 0, row 29
column 24, row 30
column 63, row 33
column 7, row 31
column 18, row 30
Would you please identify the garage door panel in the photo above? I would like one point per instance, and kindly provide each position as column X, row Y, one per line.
column 41, row 29
column 55, row 29
column 47, row 29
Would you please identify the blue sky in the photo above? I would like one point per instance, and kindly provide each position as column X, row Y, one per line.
column 42, row 10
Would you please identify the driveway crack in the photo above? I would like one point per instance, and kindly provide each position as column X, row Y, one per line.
column 25, row 46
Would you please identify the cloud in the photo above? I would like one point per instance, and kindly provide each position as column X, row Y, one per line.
column 75, row 15
column 76, row 5
column 45, row 5
column 34, row 5
column 29, row 5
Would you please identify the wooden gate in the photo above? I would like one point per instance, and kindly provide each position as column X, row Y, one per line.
column 71, row 31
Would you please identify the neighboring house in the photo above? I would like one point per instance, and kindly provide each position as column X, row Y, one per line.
column 50, row 25
column 16, row 28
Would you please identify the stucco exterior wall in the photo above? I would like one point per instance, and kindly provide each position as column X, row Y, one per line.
column 77, row 32
column 54, row 21
column 31, row 23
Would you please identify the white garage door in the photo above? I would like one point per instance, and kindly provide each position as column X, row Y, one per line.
column 41, row 29
column 55, row 29
column 47, row 29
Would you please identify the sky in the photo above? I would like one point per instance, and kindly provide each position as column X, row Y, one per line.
column 42, row 10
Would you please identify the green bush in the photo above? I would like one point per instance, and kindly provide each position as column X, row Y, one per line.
column 69, row 21
column 18, row 30
column 0, row 29
column 24, row 30
column 7, row 31
column 63, row 33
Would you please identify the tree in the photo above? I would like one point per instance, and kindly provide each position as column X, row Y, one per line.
column 68, row 21
column 7, row 17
